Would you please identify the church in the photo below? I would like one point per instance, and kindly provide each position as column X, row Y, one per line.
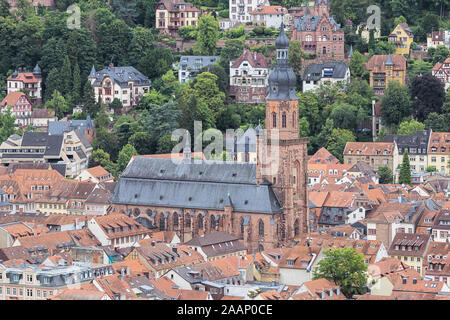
column 263, row 204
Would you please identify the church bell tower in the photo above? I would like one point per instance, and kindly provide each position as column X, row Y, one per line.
column 283, row 145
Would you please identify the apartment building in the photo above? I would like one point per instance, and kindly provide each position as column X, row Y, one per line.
column 375, row 154
column 70, row 150
column 439, row 151
column 316, row 75
column 384, row 69
column 240, row 10
column 174, row 14
column 189, row 66
column 249, row 77
column 30, row 82
column 402, row 37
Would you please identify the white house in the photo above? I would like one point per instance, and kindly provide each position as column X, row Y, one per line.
column 316, row 75
column 117, row 230
column 240, row 10
column 270, row 16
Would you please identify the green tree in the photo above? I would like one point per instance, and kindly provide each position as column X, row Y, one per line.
column 165, row 144
column 141, row 142
column 304, row 127
column 357, row 65
column 398, row 20
column 337, row 141
column 438, row 122
column 346, row 115
column 89, row 105
column 102, row 158
column 395, row 104
column 409, row 127
column 345, row 268
column 232, row 50
column 431, row 169
column 438, row 54
column 59, row 104
column 207, row 35
column 295, row 56
column 428, row 95
column 385, row 174
column 116, row 105
column 76, row 89
column 125, row 155
column 208, row 91
column 66, row 78
column 405, row 170
column 7, row 128
column 381, row 134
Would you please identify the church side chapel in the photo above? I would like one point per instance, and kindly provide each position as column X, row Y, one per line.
column 264, row 207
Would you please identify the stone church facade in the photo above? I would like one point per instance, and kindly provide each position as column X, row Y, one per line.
column 263, row 204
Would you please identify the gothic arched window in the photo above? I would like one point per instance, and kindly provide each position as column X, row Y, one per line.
column 213, row 223
column 261, row 228
column 188, row 220
column 296, row 228
column 200, row 222
column 283, row 121
column 294, row 115
column 175, row 219
column 137, row 212
column 162, row 223
column 274, row 119
column 242, row 228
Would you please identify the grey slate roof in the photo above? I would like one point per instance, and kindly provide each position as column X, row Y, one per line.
column 59, row 127
column 121, row 76
column 313, row 72
column 160, row 182
column 418, row 140
column 301, row 23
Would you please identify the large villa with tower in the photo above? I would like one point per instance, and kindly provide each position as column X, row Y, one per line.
column 263, row 204
column 126, row 84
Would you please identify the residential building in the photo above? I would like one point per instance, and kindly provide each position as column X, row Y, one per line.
column 69, row 149
column 174, row 14
column 35, row 3
column 9, row 232
column 391, row 218
column 384, row 69
column 411, row 249
column 295, row 266
column 217, row 245
column 322, row 156
column 126, row 84
column 435, row 38
column 96, row 174
column 439, row 151
column 189, row 66
column 85, row 127
column 320, row 289
column 249, row 77
column 402, row 37
column 375, row 154
column 317, row 75
column 20, row 108
column 25, row 187
column 97, row 203
column 416, row 144
column 225, row 24
column 117, row 230
column 40, row 118
column 442, row 72
column 31, row 282
column 31, row 82
column 436, row 265
column 319, row 33
column 240, row 10
column 441, row 227
column 270, row 16
column 159, row 257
